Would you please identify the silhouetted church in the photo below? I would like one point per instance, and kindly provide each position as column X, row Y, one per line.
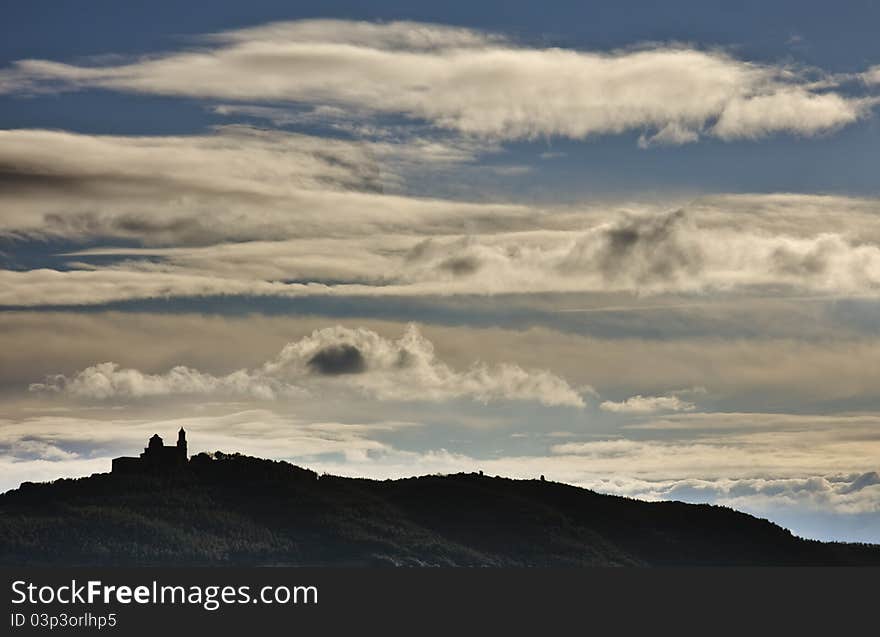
column 156, row 456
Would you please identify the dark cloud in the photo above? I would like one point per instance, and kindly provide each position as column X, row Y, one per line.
column 19, row 181
column 420, row 251
column 461, row 266
column 363, row 174
column 865, row 480
column 657, row 241
column 453, row 257
column 640, row 250
column 814, row 262
column 334, row 360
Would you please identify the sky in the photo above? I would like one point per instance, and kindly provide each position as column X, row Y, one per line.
column 629, row 246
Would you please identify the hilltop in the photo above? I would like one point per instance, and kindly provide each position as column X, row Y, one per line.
column 234, row 509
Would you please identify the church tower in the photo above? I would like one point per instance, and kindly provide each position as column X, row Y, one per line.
column 181, row 444
column 157, row 457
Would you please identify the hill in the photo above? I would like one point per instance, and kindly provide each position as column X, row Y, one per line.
column 233, row 509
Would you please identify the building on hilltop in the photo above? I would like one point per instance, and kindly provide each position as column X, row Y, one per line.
column 157, row 457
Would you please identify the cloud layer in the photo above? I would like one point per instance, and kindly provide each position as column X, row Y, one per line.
column 236, row 184
column 529, row 304
column 474, row 82
column 701, row 248
column 327, row 361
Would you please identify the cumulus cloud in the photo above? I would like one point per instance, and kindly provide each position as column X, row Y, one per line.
column 473, row 82
column 327, row 361
column 107, row 380
column 645, row 254
column 745, row 351
column 647, row 405
column 338, row 359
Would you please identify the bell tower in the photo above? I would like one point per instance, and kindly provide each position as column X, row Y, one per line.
column 181, row 444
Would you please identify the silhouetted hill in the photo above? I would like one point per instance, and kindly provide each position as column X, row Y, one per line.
column 241, row 510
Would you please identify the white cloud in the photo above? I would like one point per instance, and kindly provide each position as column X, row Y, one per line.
column 236, row 184
column 739, row 421
column 325, row 362
column 834, row 446
column 747, row 353
column 109, row 381
column 474, row 82
column 647, row 405
column 787, row 110
column 673, row 134
column 645, row 254
column 274, row 214
column 872, row 75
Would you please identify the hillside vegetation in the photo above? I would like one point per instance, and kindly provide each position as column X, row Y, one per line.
column 233, row 509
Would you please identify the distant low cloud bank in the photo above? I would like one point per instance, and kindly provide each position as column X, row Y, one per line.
column 647, row 405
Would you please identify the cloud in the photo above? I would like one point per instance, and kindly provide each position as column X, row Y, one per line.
column 863, row 481
column 744, row 350
column 673, row 134
column 647, row 405
column 831, row 507
column 46, row 447
column 786, row 110
column 240, row 183
column 108, row 381
column 825, row 468
column 237, row 184
column 473, row 82
column 733, row 421
column 835, row 497
column 872, row 75
column 338, row 359
column 804, row 445
column 260, row 213
column 645, row 254
column 325, row 362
